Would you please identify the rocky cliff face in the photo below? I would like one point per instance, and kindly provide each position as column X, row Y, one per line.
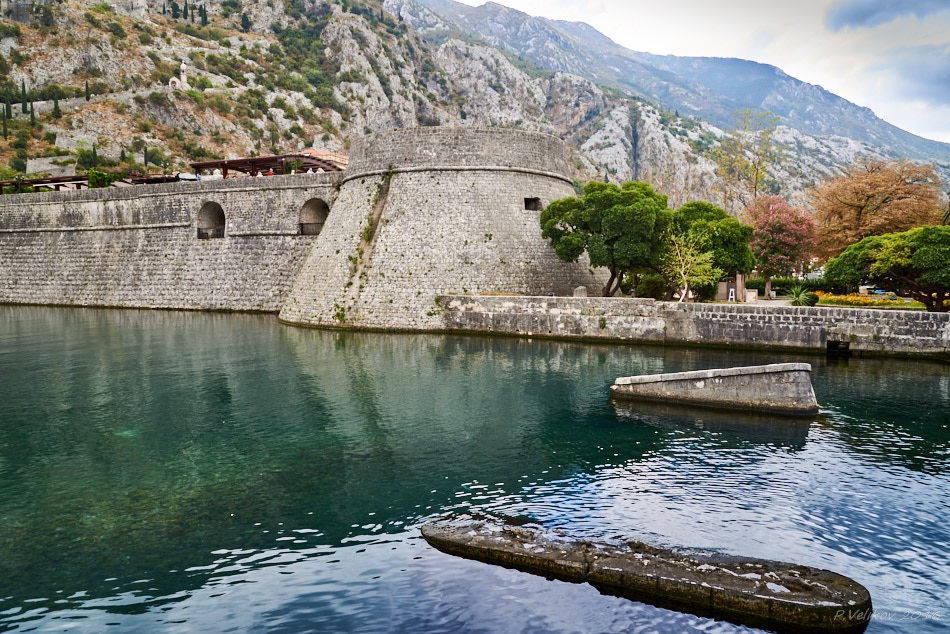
column 287, row 74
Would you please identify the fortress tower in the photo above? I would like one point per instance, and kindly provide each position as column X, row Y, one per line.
column 430, row 211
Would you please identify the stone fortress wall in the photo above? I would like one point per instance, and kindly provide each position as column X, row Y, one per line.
column 139, row 246
column 430, row 229
column 881, row 332
column 433, row 211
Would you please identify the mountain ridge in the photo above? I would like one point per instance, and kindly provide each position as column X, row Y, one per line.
column 647, row 75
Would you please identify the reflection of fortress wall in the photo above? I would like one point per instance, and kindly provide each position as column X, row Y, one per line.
column 140, row 247
column 431, row 211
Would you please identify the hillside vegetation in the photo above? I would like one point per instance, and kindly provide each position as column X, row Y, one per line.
column 87, row 84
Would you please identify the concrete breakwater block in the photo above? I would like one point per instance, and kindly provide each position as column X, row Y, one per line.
column 773, row 595
column 779, row 388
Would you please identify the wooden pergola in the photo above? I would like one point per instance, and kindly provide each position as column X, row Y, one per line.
column 80, row 181
column 278, row 164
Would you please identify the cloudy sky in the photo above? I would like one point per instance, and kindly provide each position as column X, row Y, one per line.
column 892, row 56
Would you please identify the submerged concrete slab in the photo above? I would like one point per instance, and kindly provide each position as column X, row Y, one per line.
column 779, row 388
column 774, row 595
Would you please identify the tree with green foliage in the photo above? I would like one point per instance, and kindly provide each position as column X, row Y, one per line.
column 744, row 156
column 23, row 98
column 88, row 94
column 4, row 124
column 32, row 116
column 245, row 23
column 57, row 113
column 783, row 237
column 620, row 228
column 914, row 264
column 8, row 108
column 688, row 263
column 204, row 15
column 724, row 236
column 704, row 226
column 98, row 179
column 176, row 10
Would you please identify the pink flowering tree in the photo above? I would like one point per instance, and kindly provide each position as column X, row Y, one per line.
column 783, row 237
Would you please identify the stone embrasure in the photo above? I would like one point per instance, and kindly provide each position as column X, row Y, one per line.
column 777, row 596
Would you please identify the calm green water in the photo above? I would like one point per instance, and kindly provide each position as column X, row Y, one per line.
column 175, row 472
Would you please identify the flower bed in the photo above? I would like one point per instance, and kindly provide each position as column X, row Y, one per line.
column 868, row 301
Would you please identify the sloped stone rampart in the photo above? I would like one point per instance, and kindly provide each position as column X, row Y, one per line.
column 138, row 246
column 427, row 212
column 644, row 320
column 778, row 388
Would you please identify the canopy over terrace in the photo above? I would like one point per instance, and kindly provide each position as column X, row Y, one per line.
column 279, row 164
column 79, row 181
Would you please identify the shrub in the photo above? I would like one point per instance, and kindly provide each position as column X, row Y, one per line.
column 116, row 29
column 801, row 296
column 651, row 285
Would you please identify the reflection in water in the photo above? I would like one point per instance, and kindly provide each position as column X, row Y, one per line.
column 227, row 473
column 750, row 426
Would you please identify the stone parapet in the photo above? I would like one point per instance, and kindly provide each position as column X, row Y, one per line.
column 447, row 147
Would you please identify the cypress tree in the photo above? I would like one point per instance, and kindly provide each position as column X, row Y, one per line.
column 145, row 159
column 32, row 116
column 95, row 157
column 164, row 9
column 9, row 108
column 204, row 16
column 57, row 113
column 122, row 156
column 23, row 95
column 88, row 94
column 4, row 124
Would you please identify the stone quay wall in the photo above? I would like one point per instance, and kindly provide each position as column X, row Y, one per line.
column 434, row 211
column 908, row 333
column 138, row 246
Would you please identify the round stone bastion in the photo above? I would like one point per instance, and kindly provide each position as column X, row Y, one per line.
column 425, row 212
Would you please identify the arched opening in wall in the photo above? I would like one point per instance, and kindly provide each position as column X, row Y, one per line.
column 210, row 221
column 313, row 215
column 532, row 204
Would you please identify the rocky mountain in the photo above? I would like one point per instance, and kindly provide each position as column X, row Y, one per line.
column 710, row 88
column 150, row 85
